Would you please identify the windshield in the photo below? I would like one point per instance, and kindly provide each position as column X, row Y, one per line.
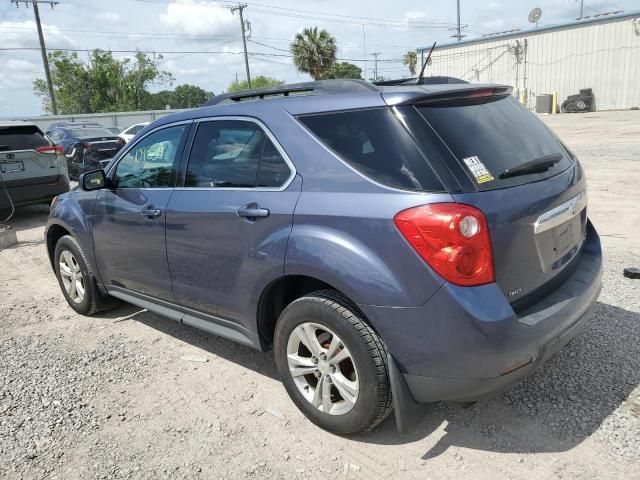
column 90, row 132
column 492, row 135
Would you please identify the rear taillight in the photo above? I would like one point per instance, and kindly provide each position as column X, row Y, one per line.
column 53, row 149
column 120, row 143
column 453, row 239
column 87, row 146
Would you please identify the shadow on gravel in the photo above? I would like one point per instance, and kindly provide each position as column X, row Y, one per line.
column 561, row 405
column 258, row 361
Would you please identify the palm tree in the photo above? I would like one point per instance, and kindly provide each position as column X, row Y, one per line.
column 410, row 59
column 314, row 52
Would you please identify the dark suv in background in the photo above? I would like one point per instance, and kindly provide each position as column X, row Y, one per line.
column 394, row 245
column 32, row 169
column 87, row 146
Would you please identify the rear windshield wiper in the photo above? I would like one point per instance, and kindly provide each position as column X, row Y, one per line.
column 536, row 165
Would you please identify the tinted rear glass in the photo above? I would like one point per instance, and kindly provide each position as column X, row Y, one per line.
column 21, row 138
column 375, row 143
column 90, row 132
column 499, row 133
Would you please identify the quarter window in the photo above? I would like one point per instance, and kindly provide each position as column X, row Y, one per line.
column 376, row 143
column 151, row 162
column 234, row 154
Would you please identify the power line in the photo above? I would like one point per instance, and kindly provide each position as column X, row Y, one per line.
column 315, row 15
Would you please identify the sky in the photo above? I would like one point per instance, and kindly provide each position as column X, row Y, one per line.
column 204, row 47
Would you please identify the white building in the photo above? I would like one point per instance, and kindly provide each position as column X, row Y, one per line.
column 600, row 52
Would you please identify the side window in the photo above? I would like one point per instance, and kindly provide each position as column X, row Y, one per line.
column 151, row 162
column 225, row 153
column 376, row 143
column 234, row 154
column 273, row 171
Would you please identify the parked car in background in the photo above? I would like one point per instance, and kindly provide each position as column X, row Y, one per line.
column 128, row 133
column 115, row 130
column 394, row 245
column 32, row 169
column 86, row 147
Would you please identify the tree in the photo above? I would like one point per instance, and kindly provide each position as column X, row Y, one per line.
column 103, row 83
column 314, row 52
column 410, row 59
column 256, row 82
column 344, row 70
column 183, row 96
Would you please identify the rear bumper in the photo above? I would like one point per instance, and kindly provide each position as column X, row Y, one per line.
column 466, row 344
column 30, row 194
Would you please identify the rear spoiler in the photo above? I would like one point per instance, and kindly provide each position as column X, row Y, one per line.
column 415, row 98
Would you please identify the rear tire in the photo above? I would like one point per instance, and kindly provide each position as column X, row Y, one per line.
column 77, row 280
column 346, row 388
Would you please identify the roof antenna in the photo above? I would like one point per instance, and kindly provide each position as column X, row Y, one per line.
column 420, row 80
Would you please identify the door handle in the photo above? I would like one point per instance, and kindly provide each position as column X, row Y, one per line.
column 150, row 212
column 252, row 211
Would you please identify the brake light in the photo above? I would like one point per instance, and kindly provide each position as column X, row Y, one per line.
column 453, row 239
column 87, row 146
column 53, row 149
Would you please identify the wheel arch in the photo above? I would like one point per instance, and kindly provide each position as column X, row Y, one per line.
column 279, row 293
column 55, row 232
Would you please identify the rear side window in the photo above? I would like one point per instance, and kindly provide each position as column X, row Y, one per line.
column 234, row 154
column 375, row 143
column 499, row 133
column 26, row 137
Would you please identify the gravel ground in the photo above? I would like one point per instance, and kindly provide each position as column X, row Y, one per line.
column 127, row 394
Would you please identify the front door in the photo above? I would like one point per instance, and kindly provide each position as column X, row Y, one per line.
column 129, row 218
column 228, row 225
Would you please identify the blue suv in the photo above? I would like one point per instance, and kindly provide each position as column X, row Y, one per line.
column 394, row 245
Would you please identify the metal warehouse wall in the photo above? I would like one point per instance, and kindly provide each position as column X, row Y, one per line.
column 603, row 55
column 115, row 119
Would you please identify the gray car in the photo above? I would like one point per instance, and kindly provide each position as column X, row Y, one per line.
column 32, row 169
column 393, row 245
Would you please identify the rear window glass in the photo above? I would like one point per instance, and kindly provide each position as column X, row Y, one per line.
column 90, row 132
column 21, row 138
column 375, row 143
column 497, row 132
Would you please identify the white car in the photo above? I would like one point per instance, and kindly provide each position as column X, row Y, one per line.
column 128, row 133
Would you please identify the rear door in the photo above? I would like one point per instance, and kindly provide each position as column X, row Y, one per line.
column 228, row 225
column 129, row 218
column 27, row 157
column 537, row 216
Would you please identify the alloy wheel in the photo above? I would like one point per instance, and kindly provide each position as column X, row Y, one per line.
column 322, row 368
column 71, row 276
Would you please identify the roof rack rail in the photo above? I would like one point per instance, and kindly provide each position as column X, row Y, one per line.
column 319, row 87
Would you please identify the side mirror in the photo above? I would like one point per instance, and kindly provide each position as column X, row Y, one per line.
column 94, row 180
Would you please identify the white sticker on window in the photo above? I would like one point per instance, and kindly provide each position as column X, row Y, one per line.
column 477, row 169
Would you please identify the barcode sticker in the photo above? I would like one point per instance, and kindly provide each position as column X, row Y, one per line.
column 477, row 169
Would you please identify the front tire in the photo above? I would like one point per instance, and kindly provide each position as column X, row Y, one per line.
column 77, row 280
column 332, row 364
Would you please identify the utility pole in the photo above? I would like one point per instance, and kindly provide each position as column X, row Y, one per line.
column 581, row 8
column 364, row 51
column 459, row 28
column 240, row 8
column 375, row 65
column 43, row 48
